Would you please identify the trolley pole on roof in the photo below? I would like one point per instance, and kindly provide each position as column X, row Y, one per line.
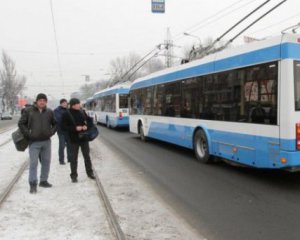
column 250, row 25
column 234, row 26
column 246, row 28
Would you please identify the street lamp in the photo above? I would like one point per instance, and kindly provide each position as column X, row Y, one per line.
column 87, row 77
column 191, row 35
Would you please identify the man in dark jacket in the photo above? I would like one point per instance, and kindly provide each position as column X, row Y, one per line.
column 62, row 135
column 74, row 122
column 38, row 124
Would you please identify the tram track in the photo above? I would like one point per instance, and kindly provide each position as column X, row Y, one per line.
column 112, row 218
column 4, row 131
column 116, row 230
column 12, row 183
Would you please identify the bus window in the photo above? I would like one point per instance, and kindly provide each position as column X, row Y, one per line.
column 260, row 93
column 297, row 84
column 136, row 102
column 147, row 100
column 189, row 100
column 172, row 99
column 123, row 101
column 158, row 99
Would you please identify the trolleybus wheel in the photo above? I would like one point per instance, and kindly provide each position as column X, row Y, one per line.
column 201, row 147
column 107, row 123
column 142, row 134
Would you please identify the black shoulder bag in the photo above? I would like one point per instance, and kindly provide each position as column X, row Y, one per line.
column 92, row 131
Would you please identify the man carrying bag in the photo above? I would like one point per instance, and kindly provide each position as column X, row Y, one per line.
column 74, row 122
column 37, row 124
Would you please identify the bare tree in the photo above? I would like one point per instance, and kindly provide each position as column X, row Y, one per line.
column 88, row 90
column 131, row 67
column 208, row 47
column 154, row 65
column 11, row 83
column 120, row 68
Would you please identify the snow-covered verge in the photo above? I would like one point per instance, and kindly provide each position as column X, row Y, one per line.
column 75, row 211
column 10, row 159
column 65, row 211
column 141, row 213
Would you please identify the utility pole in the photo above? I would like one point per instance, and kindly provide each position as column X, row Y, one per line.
column 169, row 49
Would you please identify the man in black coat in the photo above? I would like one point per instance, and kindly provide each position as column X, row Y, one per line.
column 62, row 135
column 75, row 121
column 38, row 125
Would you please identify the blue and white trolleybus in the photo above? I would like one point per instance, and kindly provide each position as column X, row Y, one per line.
column 112, row 106
column 241, row 104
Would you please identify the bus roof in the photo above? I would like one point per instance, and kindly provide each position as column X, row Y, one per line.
column 120, row 88
column 272, row 49
column 88, row 100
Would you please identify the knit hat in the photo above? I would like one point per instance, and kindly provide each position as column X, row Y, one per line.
column 74, row 101
column 41, row 96
column 63, row 100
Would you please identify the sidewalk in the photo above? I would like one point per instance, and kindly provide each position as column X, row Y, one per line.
column 75, row 211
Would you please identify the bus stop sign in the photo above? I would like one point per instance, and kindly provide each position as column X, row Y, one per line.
column 158, row 6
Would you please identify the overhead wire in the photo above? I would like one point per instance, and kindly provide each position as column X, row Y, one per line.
column 214, row 17
column 209, row 47
column 255, row 21
column 275, row 24
column 209, row 17
column 56, row 44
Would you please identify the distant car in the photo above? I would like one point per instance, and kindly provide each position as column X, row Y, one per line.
column 6, row 116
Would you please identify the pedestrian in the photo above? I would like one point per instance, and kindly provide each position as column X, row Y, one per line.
column 37, row 124
column 74, row 122
column 63, row 136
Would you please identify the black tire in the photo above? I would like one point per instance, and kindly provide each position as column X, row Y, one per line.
column 201, row 147
column 107, row 123
column 141, row 132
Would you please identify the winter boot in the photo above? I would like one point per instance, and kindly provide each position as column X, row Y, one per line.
column 91, row 175
column 45, row 184
column 33, row 187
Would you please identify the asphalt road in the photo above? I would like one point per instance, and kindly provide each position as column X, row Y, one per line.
column 6, row 124
column 219, row 200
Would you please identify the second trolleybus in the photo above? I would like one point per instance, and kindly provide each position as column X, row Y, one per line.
column 112, row 106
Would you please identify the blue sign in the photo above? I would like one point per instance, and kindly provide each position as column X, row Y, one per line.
column 158, row 6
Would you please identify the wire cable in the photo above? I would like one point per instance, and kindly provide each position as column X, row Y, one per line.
column 258, row 19
column 56, row 45
column 275, row 24
column 209, row 17
column 205, row 22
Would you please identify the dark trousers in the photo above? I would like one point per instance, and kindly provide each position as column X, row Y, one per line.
column 85, row 149
column 64, row 142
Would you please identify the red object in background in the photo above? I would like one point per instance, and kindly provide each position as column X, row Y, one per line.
column 22, row 102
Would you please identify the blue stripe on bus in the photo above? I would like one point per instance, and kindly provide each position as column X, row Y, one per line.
column 124, row 122
column 290, row 50
column 251, row 150
column 283, row 51
column 112, row 91
column 117, row 122
column 114, row 121
column 259, row 56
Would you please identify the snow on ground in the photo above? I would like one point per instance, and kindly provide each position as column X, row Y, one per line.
column 141, row 213
column 75, row 211
column 65, row 211
column 10, row 159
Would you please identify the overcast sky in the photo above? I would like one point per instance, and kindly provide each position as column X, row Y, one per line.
column 91, row 33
